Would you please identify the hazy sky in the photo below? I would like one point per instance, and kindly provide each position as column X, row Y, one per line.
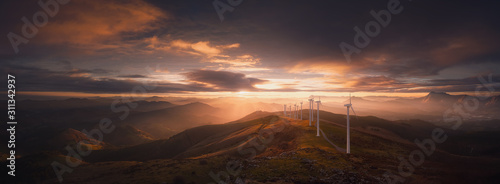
column 263, row 47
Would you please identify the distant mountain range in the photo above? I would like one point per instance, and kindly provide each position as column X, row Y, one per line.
column 53, row 124
column 430, row 107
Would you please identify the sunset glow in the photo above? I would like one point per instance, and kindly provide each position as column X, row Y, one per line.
column 111, row 55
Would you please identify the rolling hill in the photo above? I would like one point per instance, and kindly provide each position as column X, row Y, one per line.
column 291, row 153
column 166, row 122
column 126, row 135
column 194, row 142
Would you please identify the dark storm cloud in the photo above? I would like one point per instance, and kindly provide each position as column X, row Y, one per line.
column 223, row 80
column 36, row 79
column 132, row 76
column 68, row 66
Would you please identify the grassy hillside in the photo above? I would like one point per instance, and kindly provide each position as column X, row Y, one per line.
column 166, row 122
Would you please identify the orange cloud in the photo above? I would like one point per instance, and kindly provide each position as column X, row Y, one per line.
column 181, row 44
column 326, row 67
column 100, row 24
column 238, row 61
column 204, row 48
column 201, row 48
column 210, row 53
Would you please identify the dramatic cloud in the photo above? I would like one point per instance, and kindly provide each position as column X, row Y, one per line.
column 36, row 79
column 132, row 76
column 222, row 80
column 205, row 51
column 238, row 61
column 90, row 27
column 101, row 23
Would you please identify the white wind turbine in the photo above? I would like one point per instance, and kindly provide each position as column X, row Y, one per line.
column 348, row 150
column 310, row 110
column 294, row 111
column 284, row 110
column 317, row 119
column 290, row 110
column 301, row 111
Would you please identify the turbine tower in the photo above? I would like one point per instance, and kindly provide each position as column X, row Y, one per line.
column 300, row 110
column 290, row 110
column 317, row 119
column 284, row 110
column 348, row 147
column 311, row 101
column 312, row 109
column 296, row 111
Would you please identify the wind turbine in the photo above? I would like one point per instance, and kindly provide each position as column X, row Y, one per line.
column 317, row 119
column 296, row 111
column 290, row 109
column 348, row 150
column 284, row 110
column 310, row 110
column 301, row 111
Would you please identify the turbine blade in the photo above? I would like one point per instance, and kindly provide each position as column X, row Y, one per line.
column 354, row 113
column 350, row 98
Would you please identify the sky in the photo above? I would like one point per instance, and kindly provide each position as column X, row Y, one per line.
column 249, row 48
